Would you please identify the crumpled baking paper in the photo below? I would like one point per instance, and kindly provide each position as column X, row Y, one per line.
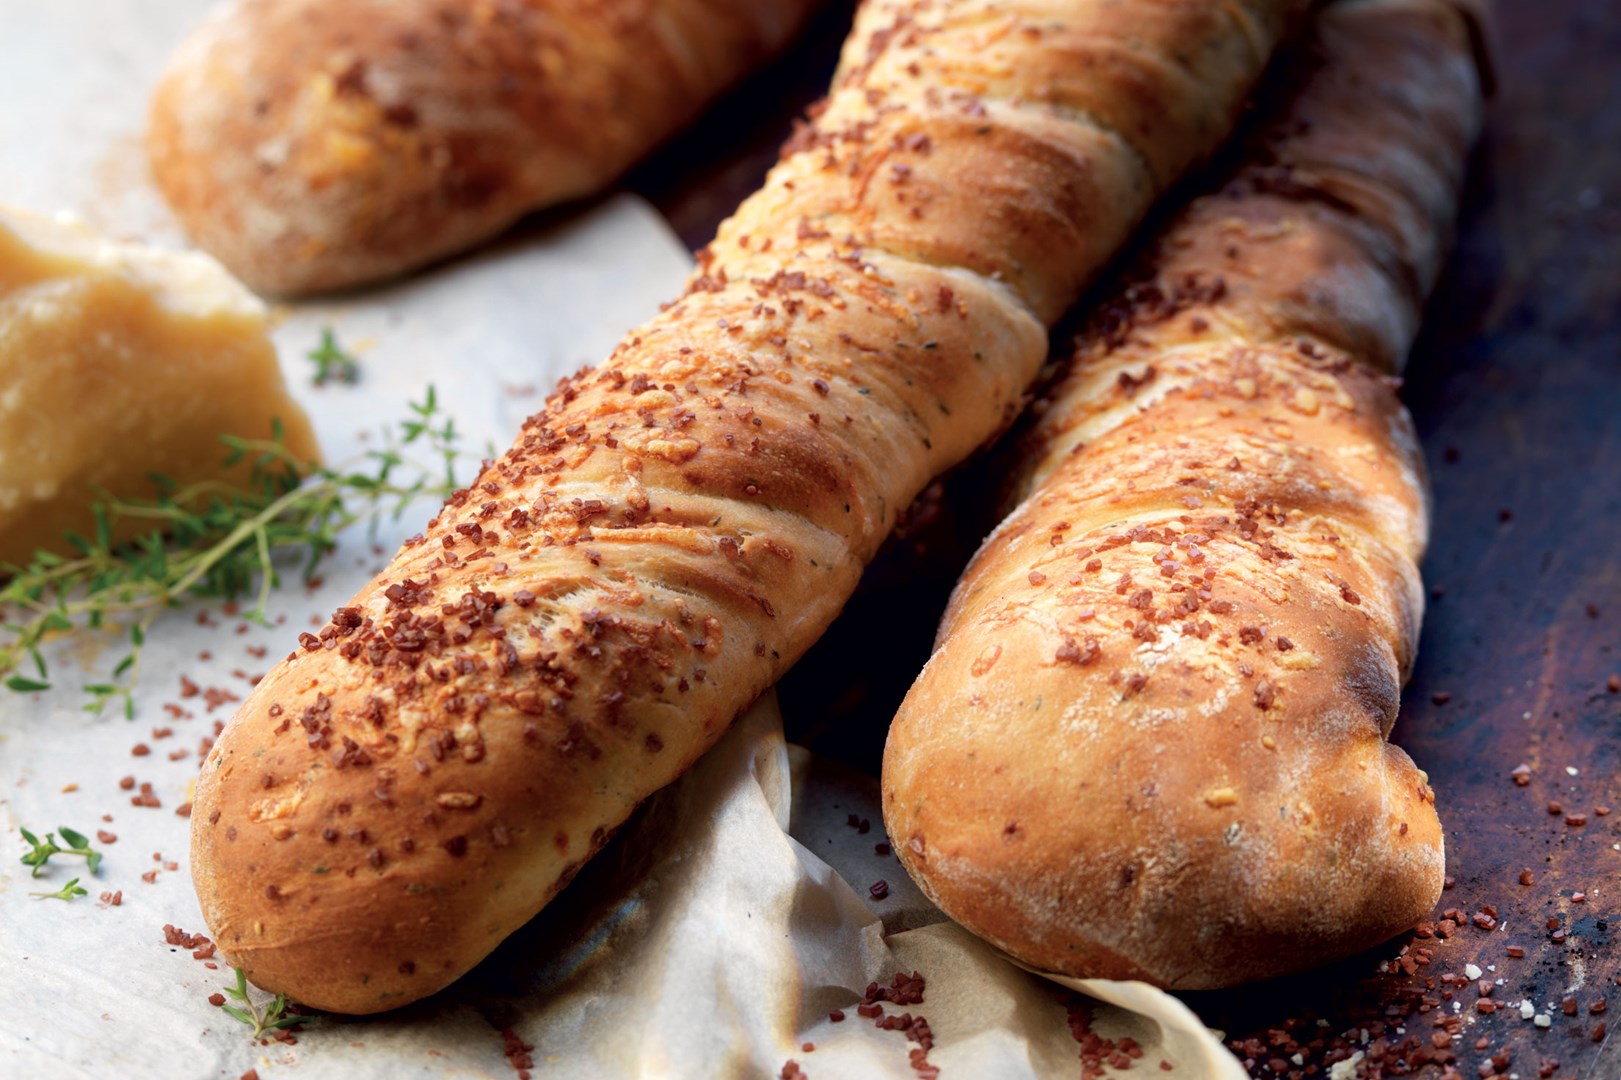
column 713, row 938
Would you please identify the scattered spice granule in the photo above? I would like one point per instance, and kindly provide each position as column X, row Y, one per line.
column 251, row 1074
column 216, row 999
column 1613, row 684
column 836, row 1015
column 883, row 849
column 150, row 877
column 807, row 1047
column 791, row 1071
column 1441, row 697
column 1522, row 775
column 517, row 1053
column 879, row 889
column 1516, row 951
column 106, row 837
column 1575, row 821
column 1527, row 877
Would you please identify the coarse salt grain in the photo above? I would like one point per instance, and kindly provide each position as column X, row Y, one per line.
column 1346, row 1070
column 1570, row 770
column 1527, row 1010
column 1472, row 972
column 1543, row 1020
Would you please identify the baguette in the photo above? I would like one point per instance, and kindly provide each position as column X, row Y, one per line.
column 317, row 144
column 1151, row 743
column 678, row 525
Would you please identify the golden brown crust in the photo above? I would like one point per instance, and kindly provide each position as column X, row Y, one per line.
column 311, row 144
column 679, row 524
column 1151, row 742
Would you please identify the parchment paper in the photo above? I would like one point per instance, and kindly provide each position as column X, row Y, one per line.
column 714, row 938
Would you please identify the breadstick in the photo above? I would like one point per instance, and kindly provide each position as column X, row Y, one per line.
column 317, row 144
column 1151, row 743
column 678, row 525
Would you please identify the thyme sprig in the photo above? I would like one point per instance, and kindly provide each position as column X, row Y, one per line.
column 210, row 539
column 273, row 1017
column 332, row 362
column 77, row 844
column 67, row 892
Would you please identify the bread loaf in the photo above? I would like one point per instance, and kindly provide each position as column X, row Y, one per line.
column 1151, row 743
column 316, row 144
column 678, row 525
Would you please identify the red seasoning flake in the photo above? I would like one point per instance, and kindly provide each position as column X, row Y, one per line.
column 1484, row 920
column 791, row 1071
column 1522, row 775
column 517, row 1053
column 1613, row 684
column 879, row 889
column 836, row 1016
column 106, row 837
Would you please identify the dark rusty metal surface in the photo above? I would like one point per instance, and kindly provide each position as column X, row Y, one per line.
column 1516, row 389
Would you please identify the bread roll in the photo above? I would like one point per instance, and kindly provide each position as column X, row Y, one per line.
column 678, row 525
column 316, row 144
column 1151, row 743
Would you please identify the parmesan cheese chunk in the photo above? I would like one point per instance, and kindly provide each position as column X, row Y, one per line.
column 118, row 362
